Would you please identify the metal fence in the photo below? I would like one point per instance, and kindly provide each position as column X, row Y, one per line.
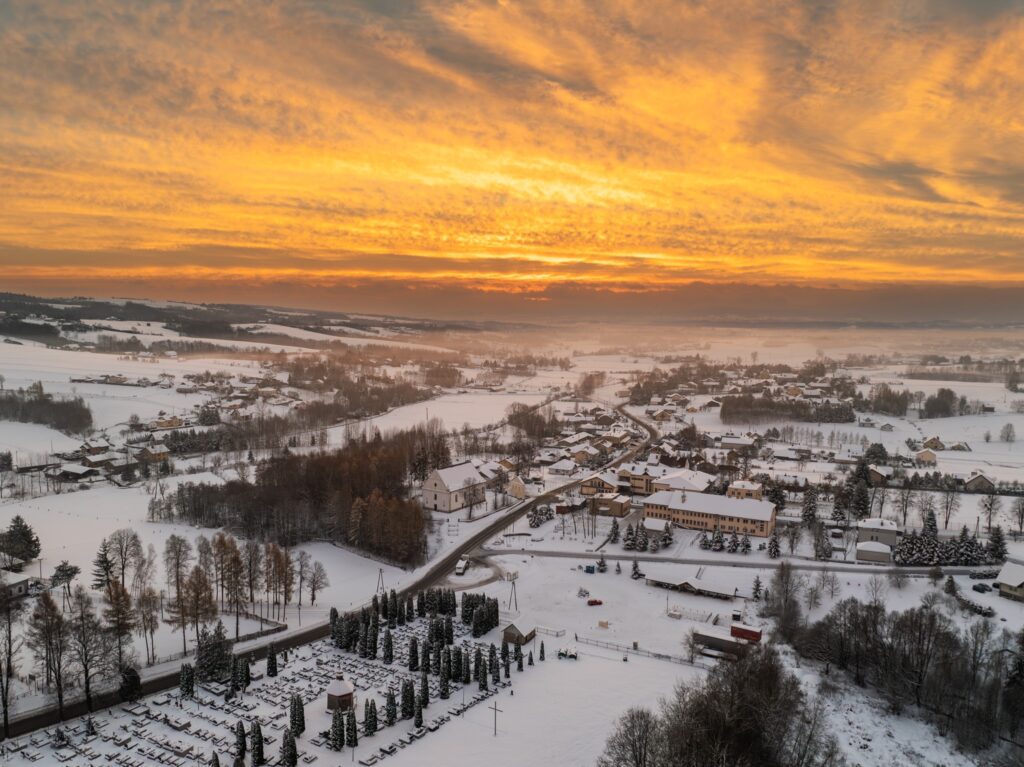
column 638, row 651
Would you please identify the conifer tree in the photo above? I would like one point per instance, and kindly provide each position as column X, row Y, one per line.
column 388, row 655
column 418, row 716
column 443, row 692
column 745, row 544
column 734, row 543
column 519, row 662
column 542, row 650
column 289, row 752
column 337, row 738
column 187, row 681
column 351, row 734
column 773, row 546
column 214, row 760
column 407, row 699
column 272, row 660
column 240, row 739
column 809, row 511
column 102, row 567
column 367, row 719
column 414, row 655
column 298, row 715
column 756, row 591
column 256, row 738
column 529, row 659
column 390, row 708
column 996, row 550
column 424, row 690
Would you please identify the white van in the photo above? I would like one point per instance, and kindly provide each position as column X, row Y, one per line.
column 460, row 568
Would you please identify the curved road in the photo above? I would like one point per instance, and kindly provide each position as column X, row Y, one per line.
column 437, row 572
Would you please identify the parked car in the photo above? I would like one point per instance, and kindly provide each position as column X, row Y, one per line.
column 594, row 602
column 567, row 652
column 981, row 588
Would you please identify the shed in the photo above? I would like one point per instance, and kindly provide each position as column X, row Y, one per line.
column 1010, row 581
column 520, row 630
column 340, row 695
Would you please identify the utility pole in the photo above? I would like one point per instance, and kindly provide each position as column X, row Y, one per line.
column 496, row 710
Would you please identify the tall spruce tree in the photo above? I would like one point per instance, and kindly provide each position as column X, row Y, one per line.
column 256, row 745
column 272, row 660
column 351, row 730
column 390, row 708
column 240, row 739
column 337, row 738
column 289, row 752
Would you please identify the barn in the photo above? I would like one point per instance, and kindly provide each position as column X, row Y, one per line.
column 691, row 580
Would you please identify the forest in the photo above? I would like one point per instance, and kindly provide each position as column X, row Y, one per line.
column 357, row 496
column 746, row 408
column 33, row 405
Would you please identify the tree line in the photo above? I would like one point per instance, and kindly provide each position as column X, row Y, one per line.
column 747, row 408
column 34, row 405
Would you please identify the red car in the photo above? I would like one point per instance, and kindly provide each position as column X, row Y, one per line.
column 593, row 602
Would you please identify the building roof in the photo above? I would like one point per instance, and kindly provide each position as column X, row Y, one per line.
column 523, row 624
column 564, row 465
column 459, row 475
column 718, row 505
column 687, row 479
column 691, row 577
column 876, row 547
column 339, row 687
column 75, row 468
column 657, row 525
column 1012, row 574
column 744, row 484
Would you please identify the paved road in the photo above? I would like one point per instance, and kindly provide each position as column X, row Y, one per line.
column 433, row 575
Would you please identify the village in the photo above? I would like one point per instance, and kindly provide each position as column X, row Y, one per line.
column 620, row 512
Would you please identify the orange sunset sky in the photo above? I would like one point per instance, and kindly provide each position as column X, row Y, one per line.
column 462, row 157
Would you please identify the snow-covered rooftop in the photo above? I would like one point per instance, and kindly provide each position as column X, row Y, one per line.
column 718, row 505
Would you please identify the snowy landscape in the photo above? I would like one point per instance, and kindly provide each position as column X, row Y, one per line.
column 531, row 480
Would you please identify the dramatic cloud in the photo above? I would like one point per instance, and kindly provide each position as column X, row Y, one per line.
column 491, row 147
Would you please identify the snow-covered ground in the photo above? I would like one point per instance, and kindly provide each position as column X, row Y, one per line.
column 476, row 408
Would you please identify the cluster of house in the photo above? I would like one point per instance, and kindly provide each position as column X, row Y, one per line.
column 589, row 437
column 97, row 459
column 681, row 399
column 239, row 397
column 164, row 380
column 928, row 453
column 681, row 496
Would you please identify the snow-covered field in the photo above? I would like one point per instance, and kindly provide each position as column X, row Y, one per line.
column 454, row 410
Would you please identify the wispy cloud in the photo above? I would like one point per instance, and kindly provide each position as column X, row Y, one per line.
column 497, row 145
